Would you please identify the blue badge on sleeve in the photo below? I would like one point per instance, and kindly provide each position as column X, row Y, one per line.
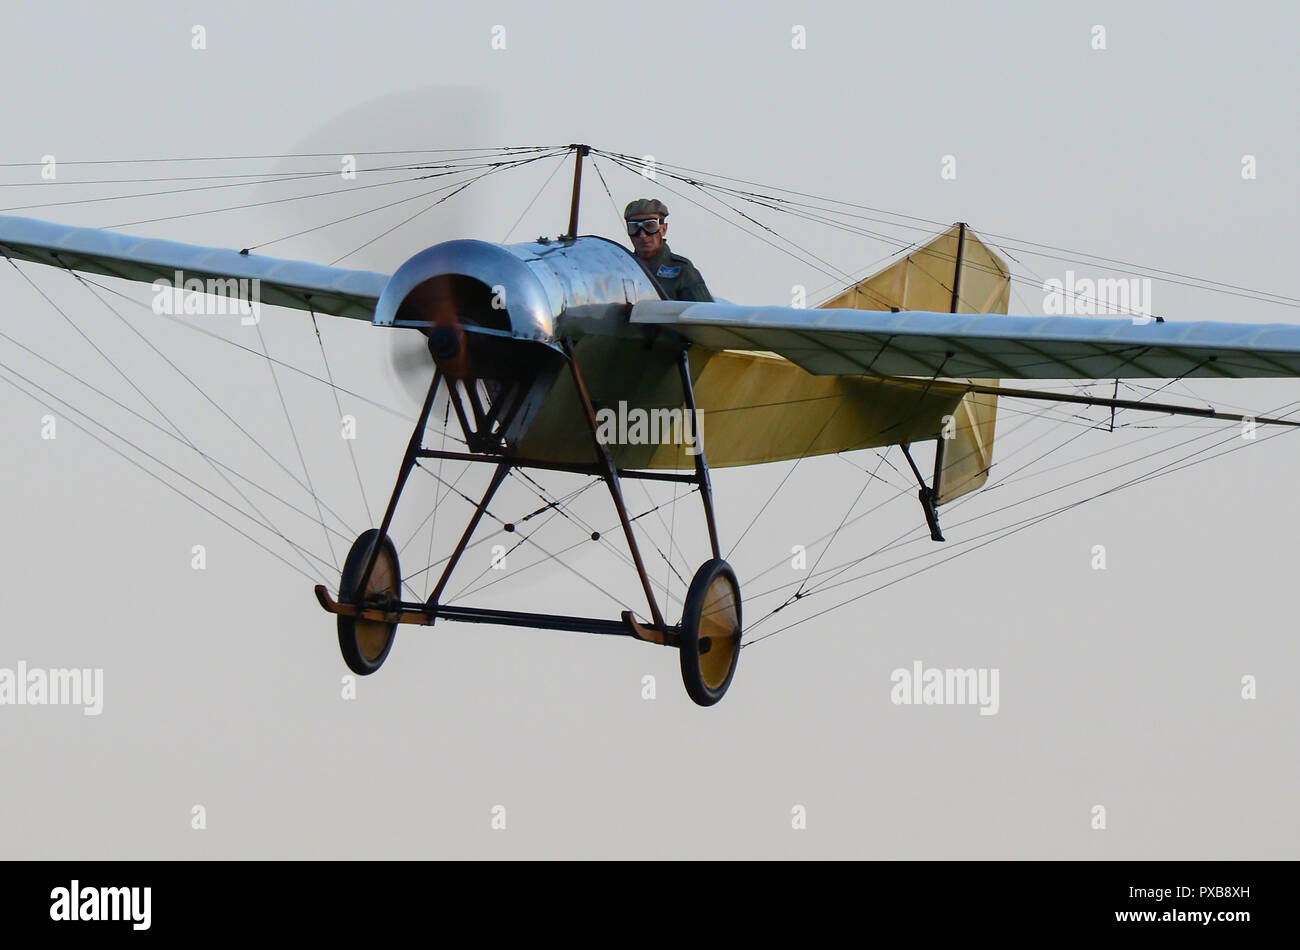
column 666, row 271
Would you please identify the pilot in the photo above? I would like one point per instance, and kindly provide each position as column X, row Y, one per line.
column 647, row 229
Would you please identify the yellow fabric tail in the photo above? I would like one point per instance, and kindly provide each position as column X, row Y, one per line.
column 958, row 273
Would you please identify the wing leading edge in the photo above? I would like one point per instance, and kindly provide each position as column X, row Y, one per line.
column 843, row 342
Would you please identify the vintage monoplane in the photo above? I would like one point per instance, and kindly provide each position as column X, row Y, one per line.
column 532, row 341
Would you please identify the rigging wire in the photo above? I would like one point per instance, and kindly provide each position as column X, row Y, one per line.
column 242, row 158
column 529, row 206
column 1015, row 528
column 338, row 405
column 1014, row 504
column 72, row 409
column 152, row 404
column 296, row 444
column 254, row 483
column 799, row 210
column 1023, row 245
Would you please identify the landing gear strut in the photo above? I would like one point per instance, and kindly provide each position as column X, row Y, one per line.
column 370, row 607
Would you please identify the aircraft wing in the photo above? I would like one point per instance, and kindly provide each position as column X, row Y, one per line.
column 296, row 284
column 841, row 342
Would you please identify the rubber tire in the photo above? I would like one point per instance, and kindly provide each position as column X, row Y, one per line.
column 353, row 656
column 693, row 677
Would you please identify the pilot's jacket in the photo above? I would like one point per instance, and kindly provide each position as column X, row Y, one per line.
column 677, row 276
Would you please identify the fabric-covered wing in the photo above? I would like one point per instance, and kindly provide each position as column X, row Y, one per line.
column 915, row 343
column 296, row 284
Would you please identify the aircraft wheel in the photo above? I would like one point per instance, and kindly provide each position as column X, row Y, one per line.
column 365, row 643
column 710, row 632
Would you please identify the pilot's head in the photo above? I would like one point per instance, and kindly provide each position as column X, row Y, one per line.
column 646, row 226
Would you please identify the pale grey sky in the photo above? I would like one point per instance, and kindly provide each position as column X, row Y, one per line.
column 1119, row 688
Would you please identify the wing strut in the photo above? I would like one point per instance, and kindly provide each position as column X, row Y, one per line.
column 927, row 494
